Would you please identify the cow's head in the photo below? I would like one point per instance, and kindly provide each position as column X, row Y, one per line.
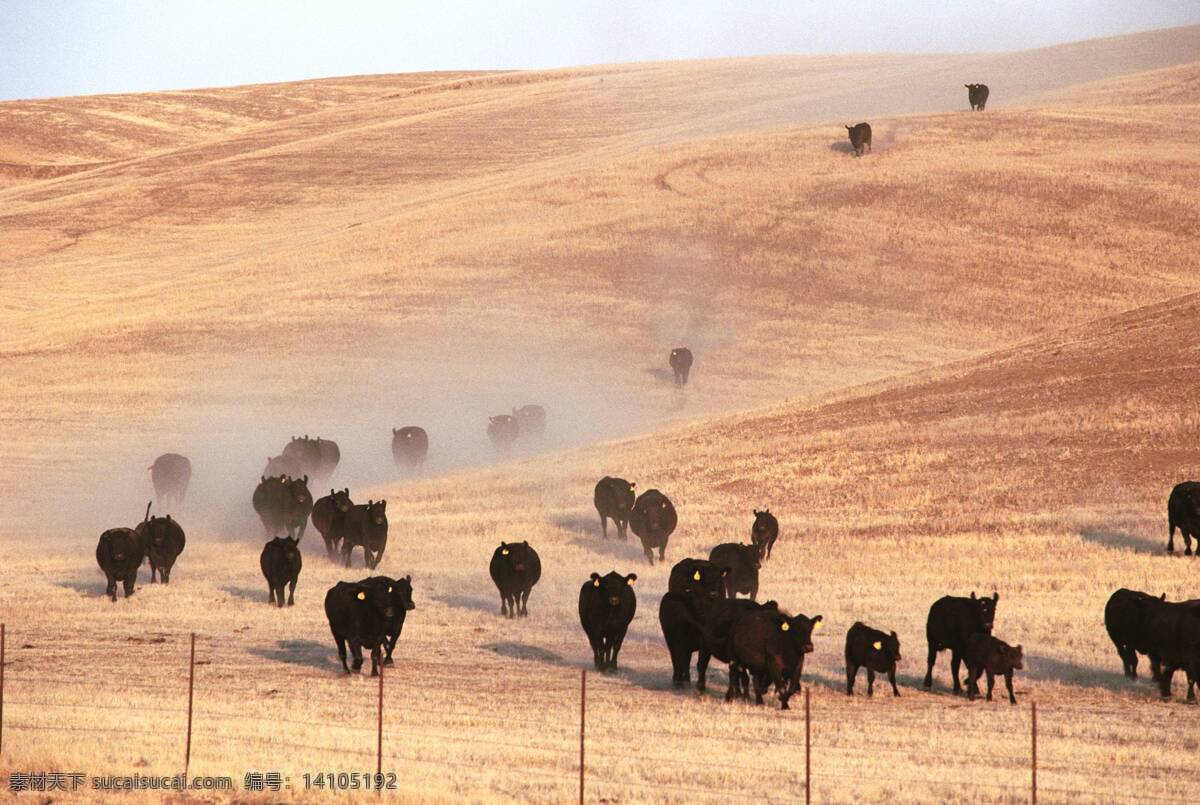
column 612, row 587
column 750, row 555
column 299, row 490
column 374, row 598
column 799, row 630
column 888, row 648
column 706, row 579
column 517, row 555
column 120, row 544
column 656, row 510
column 1014, row 656
column 986, row 611
column 341, row 499
column 401, row 593
column 377, row 512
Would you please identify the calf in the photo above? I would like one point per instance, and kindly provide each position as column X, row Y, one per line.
column 400, row 594
column 874, row 650
column 328, row 517
column 163, row 540
column 170, row 474
column 119, row 554
column 764, row 532
column 515, row 568
column 614, row 500
column 952, row 620
column 653, row 519
column 606, row 607
column 771, row 646
column 365, row 526
column 280, row 562
column 1183, row 512
column 681, row 364
column 990, row 655
column 410, row 446
column 860, row 137
column 1127, row 619
column 358, row 615
column 743, row 564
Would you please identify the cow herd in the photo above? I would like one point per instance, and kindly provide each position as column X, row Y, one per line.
column 860, row 133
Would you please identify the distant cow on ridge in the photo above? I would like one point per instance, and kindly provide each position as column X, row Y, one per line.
column 614, row 500
column 531, row 419
column 860, row 137
column 410, row 446
column 170, row 474
column 1183, row 512
column 503, row 430
column 681, row 364
column 977, row 94
column 764, row 532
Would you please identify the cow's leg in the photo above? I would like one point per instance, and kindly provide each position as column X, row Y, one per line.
column 870, row 682
column 111, row 589
column 341, row 644
column 1155, row 666
column 760, row 687
column 389, row 643
column 615, row 646
column 892, row 679
column 152, row 571
column 291, row 592
column 1164, row 680
column 270, row 593
column 1008, row 677
column 375, row 663
column 604, row 525
column 649, row 554
column 702, row 659
column 1171, row 536
column 662, row 552
column 622, row 529
column 165, row 573
column 525, row 602
column 851, row 674
column 129, row 582
column 955, row 663
column 1187, row 542
column 681, row 660
column 991, row 678
column 754, row 591
column 356, row 650
column 972, row 688
column 279, row 595
column 929, row 673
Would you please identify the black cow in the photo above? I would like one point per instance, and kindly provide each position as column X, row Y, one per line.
column 764, row 532
column 606, row 607
column 653, row 519
column 280, row 466
column 614, row 499
column 877, row 651
column 743, row 564
column 1183, row 512
column 951, row 623
column 410, row 446
column 977, row 94
column 271, row 502
column 400, row 593
column 699, row 576
column 163, row 540
column 771, row 646
column 723, row 614
column 297, row 507
column 692, row 590
column 531, row 420
column 280, row 562
column 515, row 568
column 1127, row 619
column 860, row 137
column 990, row 655
column 365, row 526
column 359, row 615
column 119, row 554
column 681, row 364
column 1173, row 635
column 318, row 457
column 503, row 430
column 328, row 516
column 170, row 473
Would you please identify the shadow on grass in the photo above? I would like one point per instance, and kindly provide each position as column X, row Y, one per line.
column 304, row 653
column 95, row 586
column 661, row 375
column 489, row 605
column 1120, row 540
column 628, row 552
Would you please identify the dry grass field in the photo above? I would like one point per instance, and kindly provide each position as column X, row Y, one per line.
column 966, row 361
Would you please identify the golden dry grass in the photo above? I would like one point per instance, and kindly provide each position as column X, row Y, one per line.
column 974, row 348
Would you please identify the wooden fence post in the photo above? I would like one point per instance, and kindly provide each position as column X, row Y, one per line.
column 807, row 749
column 1033, row 753
column 582, row 727
column 187, row 750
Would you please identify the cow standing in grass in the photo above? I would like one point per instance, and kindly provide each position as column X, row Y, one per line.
column 410, row 446
column 170, row 474
column 653, row 519
column 977, row 96
column 358, row 617
column 951, row 622
column 119, row 554
column 614, row 499
column 764, row 532
column 328, row 517
column 1183, row 512
column 860, row 137
column 400, row 593
column 280, row 562
column 607, row 605
column 163, row 540
column 515, row 568
column 1127, row 620
column 681, row 364
column 878, row 652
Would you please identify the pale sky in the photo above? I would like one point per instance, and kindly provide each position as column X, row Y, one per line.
column 75, row 47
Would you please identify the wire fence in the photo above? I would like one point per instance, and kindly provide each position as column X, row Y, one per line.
column 568, row 734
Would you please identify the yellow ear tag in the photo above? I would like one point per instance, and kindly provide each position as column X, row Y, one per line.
column 783, row 627
column 596, row 583
column 504, row 552
column 629, row 582
column 878, row 644
column 389, row 589
column 362, row 596
column 817, row 625
column 696, row 576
